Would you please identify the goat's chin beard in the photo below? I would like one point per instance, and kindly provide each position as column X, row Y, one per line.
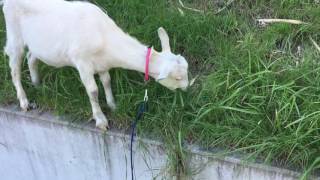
column 171, row 88
column 168, row 84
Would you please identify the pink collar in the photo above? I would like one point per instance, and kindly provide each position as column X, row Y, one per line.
column 148, row 57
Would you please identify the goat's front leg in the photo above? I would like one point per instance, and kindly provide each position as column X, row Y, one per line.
column 92, row 90
column 15, row 62
column 106, row 81
column 33, row 68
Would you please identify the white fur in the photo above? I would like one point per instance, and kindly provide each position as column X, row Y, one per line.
column 81, row 35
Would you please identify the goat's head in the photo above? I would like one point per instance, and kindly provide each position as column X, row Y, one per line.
column 173, row 69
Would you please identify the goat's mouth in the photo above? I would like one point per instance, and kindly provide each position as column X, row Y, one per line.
column 189, row 84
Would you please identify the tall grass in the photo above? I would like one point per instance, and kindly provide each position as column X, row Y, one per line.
column 257, row 93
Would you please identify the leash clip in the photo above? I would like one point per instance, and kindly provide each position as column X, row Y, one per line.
column 145, row 95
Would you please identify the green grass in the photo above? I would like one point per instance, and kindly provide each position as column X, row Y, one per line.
column 255, row 94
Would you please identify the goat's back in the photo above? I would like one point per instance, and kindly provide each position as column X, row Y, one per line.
column 56, row 30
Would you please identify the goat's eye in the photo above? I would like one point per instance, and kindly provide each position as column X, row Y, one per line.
column 179, row 78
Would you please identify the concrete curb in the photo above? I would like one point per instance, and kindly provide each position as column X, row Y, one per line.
column 152, row 160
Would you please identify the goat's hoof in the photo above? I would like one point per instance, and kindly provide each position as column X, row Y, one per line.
column 104, row 126
column 112, row 106
column 36, row 83
column 24, row 104
column 35, row 79
column 101, row 121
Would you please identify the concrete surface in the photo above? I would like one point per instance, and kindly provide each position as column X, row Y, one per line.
column 43, row 147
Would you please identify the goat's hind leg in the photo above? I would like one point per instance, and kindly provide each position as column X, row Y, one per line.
column 106, row 81
column 33, row 68
column 15, row 60
column 14, row 49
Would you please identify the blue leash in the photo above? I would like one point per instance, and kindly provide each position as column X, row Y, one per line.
column 142, row 109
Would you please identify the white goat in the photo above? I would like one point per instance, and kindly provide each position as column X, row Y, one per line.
column 81, row 35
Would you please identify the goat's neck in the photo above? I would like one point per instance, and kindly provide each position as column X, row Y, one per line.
column 134, row 58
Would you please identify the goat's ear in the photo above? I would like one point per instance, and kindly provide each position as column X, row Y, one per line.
column 164, row 38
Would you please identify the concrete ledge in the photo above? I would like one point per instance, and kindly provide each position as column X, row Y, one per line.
column 42, row 146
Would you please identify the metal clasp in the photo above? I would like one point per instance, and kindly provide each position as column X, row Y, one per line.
column 145, row 95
